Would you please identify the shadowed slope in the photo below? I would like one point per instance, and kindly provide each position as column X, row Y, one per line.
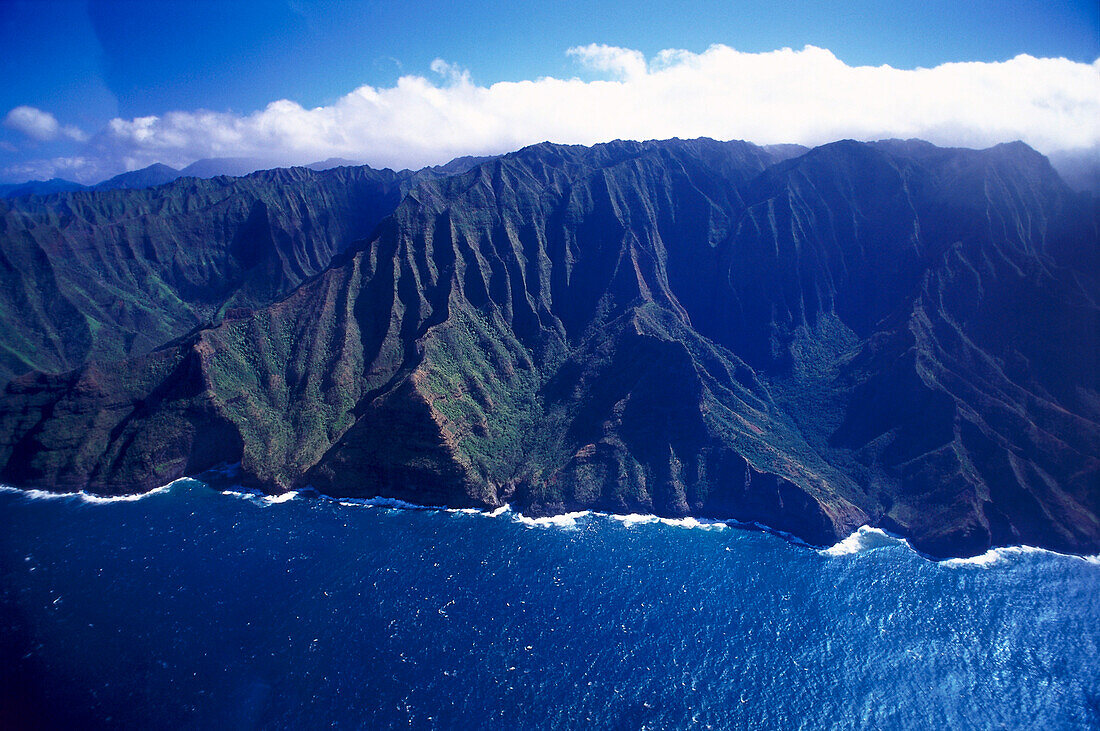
column 676, row 327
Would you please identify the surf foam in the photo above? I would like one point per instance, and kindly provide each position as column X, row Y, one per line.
column 634, row 519
column 565, row 520
column 865, row 538
column 1003, row 554
column 862, row 540
column 88, row 497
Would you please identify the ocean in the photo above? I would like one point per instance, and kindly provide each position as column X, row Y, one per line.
column 196, row 608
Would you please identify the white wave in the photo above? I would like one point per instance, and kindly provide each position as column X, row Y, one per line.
column 995, row 556
column 633, row 519
column 700, row 523
column 397, row 504
column 479, row 512
column 258, row 497
column 990, row 558
column 87, row 497
column 865, row 538
column 565, row 520
column 569, row 520
column 252, row 496
column 283, row 498
column 387, row 502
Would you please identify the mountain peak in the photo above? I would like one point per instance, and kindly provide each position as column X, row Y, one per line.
column 229, row 166
column 147, row 177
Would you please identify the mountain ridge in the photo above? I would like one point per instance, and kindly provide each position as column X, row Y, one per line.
column 675, row 327
column 110, row 273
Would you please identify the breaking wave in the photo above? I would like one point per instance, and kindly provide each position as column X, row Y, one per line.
column 91, row 498
column 565, row 520
column 866, row 539
column 995, row 556
column 863, row 540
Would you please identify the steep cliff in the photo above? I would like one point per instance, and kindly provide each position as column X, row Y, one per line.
column 886, row 333
column 107, row 274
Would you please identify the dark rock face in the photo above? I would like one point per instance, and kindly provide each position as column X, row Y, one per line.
column 887, row 333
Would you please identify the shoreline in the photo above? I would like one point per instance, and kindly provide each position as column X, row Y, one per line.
column 863, row 539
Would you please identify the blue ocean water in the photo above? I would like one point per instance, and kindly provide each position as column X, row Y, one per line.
column 191, row 608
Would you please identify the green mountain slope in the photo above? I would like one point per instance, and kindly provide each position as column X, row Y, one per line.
column 115, row 273
column 886, row 333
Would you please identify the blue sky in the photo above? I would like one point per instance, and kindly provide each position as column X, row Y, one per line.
column 70, row 67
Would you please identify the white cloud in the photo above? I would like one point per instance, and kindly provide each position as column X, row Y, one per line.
column 806, row 96
column 78, row 169
column 40, row 125
column 622, row 62
column 33, row 123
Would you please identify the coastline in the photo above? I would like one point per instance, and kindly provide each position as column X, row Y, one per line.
column 863, row 539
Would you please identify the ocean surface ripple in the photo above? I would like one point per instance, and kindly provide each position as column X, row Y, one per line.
column 203, row 608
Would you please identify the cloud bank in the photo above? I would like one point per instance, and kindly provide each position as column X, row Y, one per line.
column 806, row 96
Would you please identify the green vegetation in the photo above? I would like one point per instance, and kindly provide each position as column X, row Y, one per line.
column 887, row 333
column 106, row 275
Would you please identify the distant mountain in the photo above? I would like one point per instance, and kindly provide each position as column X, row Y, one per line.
column 460, row 164
column 785, row 152
column 39, row 187
column 149, row 177
column 892, row 334
column 159, row 174
column 333, row 162
column 232, row 166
